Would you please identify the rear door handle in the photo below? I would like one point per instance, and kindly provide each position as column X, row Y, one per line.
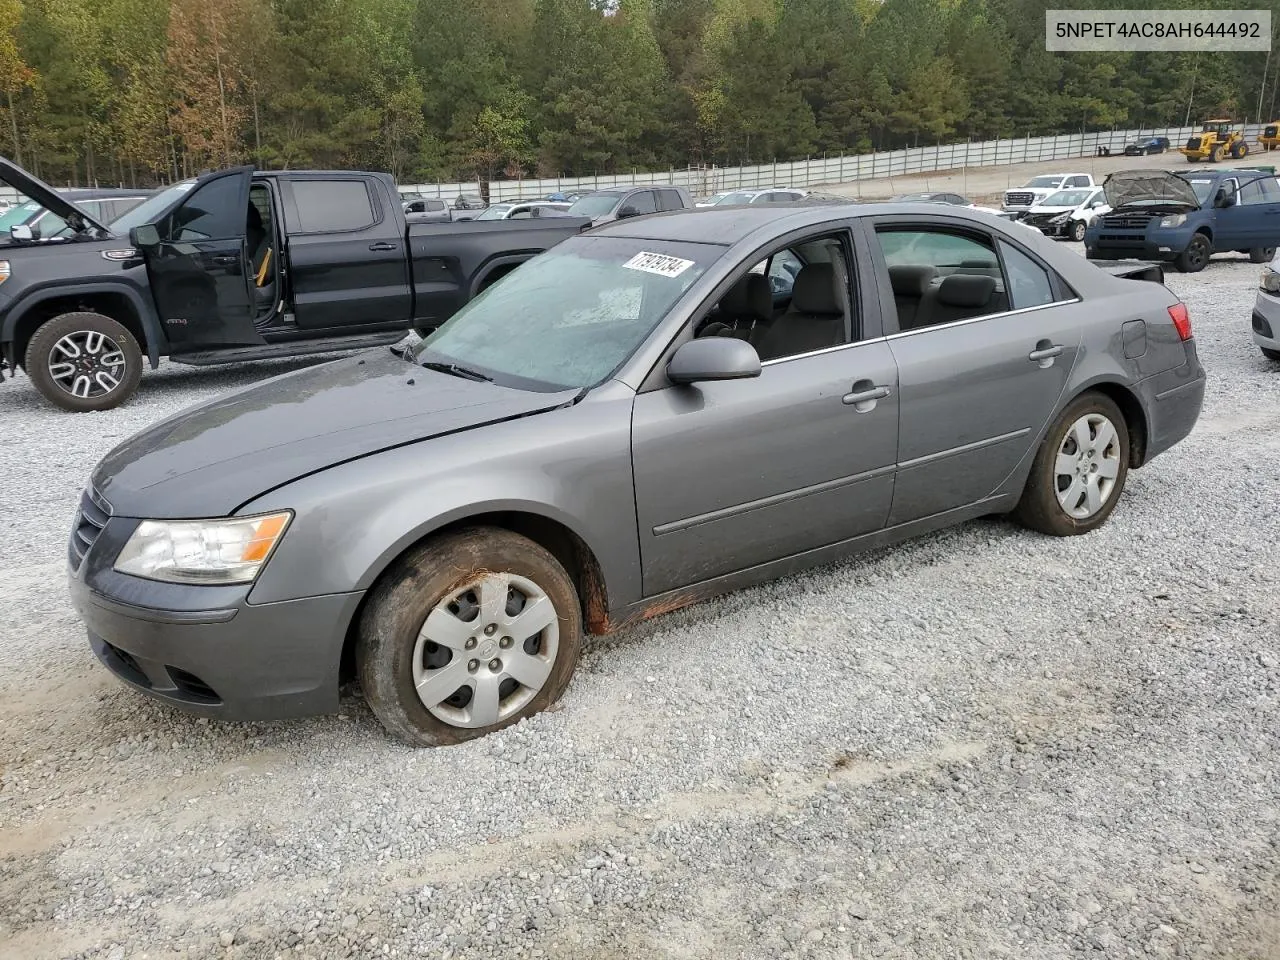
column 1044, row 355
column 863, row 398
column 382, row 245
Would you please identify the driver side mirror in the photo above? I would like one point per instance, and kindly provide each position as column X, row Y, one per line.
column 627, row 211
column 1225, row 198
column 713, row 358
column 145, row 235
column 21, row 232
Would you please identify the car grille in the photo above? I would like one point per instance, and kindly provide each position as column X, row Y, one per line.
column 1125, row 221
column 1038, row 219
column 1193, row 143
column 1019, row 199
column 91, row 517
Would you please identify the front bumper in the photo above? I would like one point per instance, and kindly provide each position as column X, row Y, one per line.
column 1265, row 323
column 207, row 650
column 1161, row 247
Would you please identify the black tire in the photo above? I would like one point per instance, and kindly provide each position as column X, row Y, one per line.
column 1191, row 159
column 44, row 349
column 1216, row 154
column 1240, row 150
column 1077, row 231
column 1196, row 257
column 427, row 576
column 1039, row 508
column 1270, row 354
column 1261, row 254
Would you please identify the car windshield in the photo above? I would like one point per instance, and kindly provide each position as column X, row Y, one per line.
column 151, row 209
column 1043, row 182
column 496, row 212
column 715, row 198
column 1202, row 188
column 595, row 204
column 571, row 316
column 1065, row 198
column 739, row 197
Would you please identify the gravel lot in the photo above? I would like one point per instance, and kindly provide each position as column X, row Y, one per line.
column 982, row 744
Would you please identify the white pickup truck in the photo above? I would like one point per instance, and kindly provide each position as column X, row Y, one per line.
column 1023, row 198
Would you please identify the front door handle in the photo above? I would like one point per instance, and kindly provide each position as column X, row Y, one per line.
column 864, row 396
column 1044, row 353
column 382, row 246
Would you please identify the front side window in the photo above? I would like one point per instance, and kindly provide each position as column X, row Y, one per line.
column 213, row 211
column 336, row 205
column 595, row 205
column 571, row 316
column 642, row 202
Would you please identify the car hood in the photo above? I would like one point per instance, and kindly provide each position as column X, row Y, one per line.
column 209, row 460
column 1147, row 186
column 45, row 195
column 1040, row 208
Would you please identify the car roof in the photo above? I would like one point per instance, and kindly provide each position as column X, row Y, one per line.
column 104, row 193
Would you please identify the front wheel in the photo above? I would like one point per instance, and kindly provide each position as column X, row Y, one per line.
column 1077, row 231
column 467, row 634
column 1079, row 470
column 1261, row 254
column 1270, row 354
column 1196, row 257
column 84, row 361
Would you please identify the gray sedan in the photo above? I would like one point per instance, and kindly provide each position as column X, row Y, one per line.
column 650, row 413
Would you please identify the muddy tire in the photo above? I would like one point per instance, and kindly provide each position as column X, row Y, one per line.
column 1079, row 471
column 1261, row 254
column 1196, row 257
column 84, row 361
column 1216, row 154
column 467, row 634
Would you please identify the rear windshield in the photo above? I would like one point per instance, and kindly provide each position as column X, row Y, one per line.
column 570, row 316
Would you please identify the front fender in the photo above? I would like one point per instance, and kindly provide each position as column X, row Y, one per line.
column 571, row 465
column 142, row 307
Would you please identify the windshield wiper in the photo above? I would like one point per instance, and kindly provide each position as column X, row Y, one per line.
column 455, row 370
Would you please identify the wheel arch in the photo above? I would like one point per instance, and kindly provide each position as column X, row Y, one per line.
column 1135, row 414
column 556, row 537
column 117, row 301
column 496, row 268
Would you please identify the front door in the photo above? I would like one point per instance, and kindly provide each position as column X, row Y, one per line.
column 199, row 270
column 737, row 473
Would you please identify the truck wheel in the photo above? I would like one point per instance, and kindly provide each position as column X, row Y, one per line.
column 1196, row 257
column 1077, row 231
column 467, row 634
column 84, row 361
column 1240, row 151
column 1215, row 155
column 1261, row 254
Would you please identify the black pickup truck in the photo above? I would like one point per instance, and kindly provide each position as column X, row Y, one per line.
column 236, row 265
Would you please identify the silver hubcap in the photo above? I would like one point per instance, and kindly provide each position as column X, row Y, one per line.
column 486, row 650
column 86, row 364
column 1087, row 466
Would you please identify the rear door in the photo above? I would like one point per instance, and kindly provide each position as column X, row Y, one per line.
column 981, row 361
column 199, row 271
column 347, row 255
column 1259, row 203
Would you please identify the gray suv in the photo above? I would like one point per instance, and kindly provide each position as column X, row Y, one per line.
column 605, row 206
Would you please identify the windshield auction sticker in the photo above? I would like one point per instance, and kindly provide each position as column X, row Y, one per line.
column 1212, row 30
column 658, row 263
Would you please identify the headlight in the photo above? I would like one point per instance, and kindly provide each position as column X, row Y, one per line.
column 1270, row 280
column 4, row 270
column 1060, row 218
column 202, row 551
column 1173, row 220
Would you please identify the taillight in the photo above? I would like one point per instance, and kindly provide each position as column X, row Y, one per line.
column 1181, row 319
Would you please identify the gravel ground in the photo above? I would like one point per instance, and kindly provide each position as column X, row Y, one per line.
column 981, row 744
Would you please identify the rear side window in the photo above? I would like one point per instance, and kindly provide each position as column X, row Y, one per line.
column 436, row 205
column 1264, row 190
column 1029, row 284
column 336, row 205
column 669, row 200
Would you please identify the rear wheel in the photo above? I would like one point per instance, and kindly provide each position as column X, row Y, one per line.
column 1270, row 354
column 1240, row 150
column 1196, row 257
column 1261, row 254
column 1216, row 154
column 467, row 634
column 1079, row 470
column 84, row 361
